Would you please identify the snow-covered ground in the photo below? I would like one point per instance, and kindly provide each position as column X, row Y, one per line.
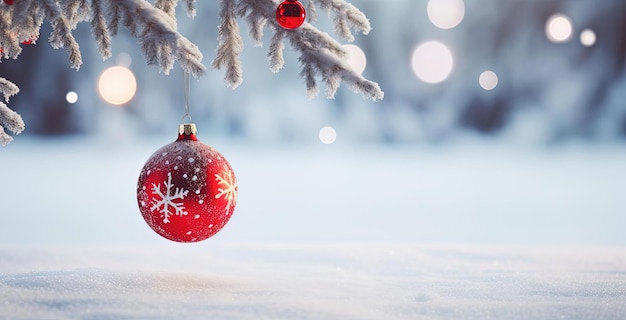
column 312, row 281
column 472, row 231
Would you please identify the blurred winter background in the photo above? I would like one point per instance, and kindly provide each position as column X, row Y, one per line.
column 503, row 122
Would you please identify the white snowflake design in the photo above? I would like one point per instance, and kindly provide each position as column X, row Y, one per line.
column 230, row 187
column 167, row 199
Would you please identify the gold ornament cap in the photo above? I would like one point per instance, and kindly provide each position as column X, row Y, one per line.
column 187, row 129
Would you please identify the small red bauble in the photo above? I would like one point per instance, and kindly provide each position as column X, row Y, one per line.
column 187, row 191
column 9, row 2
column 290, row 14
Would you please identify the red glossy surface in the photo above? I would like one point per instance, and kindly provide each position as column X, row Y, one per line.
column 290, row 14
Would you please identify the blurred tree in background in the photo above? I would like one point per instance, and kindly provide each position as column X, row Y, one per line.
column 547, row 91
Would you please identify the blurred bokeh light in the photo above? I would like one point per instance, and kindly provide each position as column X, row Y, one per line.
column 432, row 62
column 356, row 57
column 117, row 85
column 588, row 37
column 328, row 135
column 559, row 28
column 446, row 14
column 71, row 97
column 488, row 80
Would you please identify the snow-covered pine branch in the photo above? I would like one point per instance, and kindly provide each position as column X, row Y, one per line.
column 327, row 59
column 9, row 119
column 8, row 89
column 230, row 44
column 346, row 17
column 156, row 30
column 320, row 55
column 154, row 27
column 160, row 41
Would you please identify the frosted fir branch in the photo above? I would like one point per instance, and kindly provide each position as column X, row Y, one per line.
column 275, row 54
column 24, row 24
column 75, row 11
column 321, row 56
column 22, row 13
column 190, row 5
column 10, row 120
column 167, row 6
column 308, row 73
column 61, row 36
column 257, row 23
column 346, row 17
column 25, row 19
column 127, row 21
column 114, row 14
column 165, row 56
column 230, row 44
column 9, row 42
column 155, row 29
column 160, row 41
column 192, row 62
column 4, row 138
column 8, row 89
column 100, row 30
column 311, row 11
column 255, row 19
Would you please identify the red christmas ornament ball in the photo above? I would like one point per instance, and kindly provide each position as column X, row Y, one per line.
column 187, row 191
column 290, row 14
column 9, row 2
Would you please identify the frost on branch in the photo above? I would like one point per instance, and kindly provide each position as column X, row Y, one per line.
column 8, row 89
column 346, row 17
column 230, row 44
column 157, row 33
column 154, row 25
column 320, row 55
column 9, row 119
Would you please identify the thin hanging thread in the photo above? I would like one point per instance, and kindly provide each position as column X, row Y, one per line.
column 187, row 117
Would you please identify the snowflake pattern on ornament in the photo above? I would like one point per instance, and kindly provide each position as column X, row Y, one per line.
column 230, row 187
column 167, row 199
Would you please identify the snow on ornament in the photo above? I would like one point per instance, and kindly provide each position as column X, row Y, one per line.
column 187, row 191
column 290, row 14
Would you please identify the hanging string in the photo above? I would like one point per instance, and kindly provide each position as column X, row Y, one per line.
column 187, row 116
